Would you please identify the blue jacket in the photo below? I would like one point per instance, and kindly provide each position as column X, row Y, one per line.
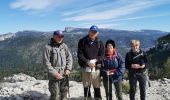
column 114, row 63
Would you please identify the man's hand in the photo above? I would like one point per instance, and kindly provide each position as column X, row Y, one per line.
column 67, row 72
column 91, row 65
column 58, row 76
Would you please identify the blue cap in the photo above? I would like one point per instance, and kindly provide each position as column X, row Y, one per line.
column 94, row 28
column 58, row 33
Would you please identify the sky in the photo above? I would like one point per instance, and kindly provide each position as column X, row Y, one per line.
column 50, row 15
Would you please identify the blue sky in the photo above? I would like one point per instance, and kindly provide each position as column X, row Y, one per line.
column 50, row 15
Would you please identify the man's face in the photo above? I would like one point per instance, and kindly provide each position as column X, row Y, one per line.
column 93, row 35
column 58, row 38
column 135, row 48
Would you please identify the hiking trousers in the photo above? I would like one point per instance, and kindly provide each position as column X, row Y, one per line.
column 118, row 88
column 58, row 89
column 91, row 78
column 141, row 78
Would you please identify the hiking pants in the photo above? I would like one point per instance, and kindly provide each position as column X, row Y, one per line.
column 118, row 88
column 89, row 79
column 141, row 78
column 58, row 89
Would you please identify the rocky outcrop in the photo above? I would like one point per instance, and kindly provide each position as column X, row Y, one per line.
column 18, row 78
column 6, row 36
column 24, row 87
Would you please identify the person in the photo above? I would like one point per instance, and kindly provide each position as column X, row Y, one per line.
column 135, row 63
column 58, row 61
column 90, row 56
column 112, row 71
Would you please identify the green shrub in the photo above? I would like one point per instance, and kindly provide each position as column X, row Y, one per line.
column 126, row 75
column 125, row 87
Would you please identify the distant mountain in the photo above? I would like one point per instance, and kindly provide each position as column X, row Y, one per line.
column 6, row 36
column 24, row 48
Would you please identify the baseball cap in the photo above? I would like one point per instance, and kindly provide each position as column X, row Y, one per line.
column 94, row 28
column 58, row 33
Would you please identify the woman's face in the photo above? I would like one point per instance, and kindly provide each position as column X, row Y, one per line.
column 110, row 47
column 135, row 48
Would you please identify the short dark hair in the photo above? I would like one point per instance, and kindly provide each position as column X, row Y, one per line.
column 110, row 41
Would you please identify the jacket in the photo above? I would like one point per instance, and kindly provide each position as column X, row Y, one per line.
column 57, row 58
column 87, row 51
column 116, row 64
column 135, row 58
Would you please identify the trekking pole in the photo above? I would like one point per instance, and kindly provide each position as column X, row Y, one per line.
column 68, row 87
column 149, row 84
column 89, row 83
column 147, row 78
column 107, row 85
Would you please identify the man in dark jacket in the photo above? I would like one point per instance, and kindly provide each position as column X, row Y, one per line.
column 135, row 62
column 58, row 61
column 90, row 56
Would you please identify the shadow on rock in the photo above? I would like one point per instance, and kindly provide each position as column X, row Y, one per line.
column 28, row 95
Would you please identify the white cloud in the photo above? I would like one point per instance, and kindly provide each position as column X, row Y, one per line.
column 131, row 18
column 112, row 13
column 32, row 4
column 38, row 5
column 89, row 8
column 114, row 22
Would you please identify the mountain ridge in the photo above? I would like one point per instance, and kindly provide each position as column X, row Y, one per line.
column 70, row 29
column 159, row 58
column 26, row 44
column 24, row 51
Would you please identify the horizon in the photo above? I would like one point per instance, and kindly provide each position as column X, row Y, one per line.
column 87, row 29
column 50, row 15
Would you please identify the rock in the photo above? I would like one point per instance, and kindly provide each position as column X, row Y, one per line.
column 165, row 81
column 24, row 87
column 19, row 78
